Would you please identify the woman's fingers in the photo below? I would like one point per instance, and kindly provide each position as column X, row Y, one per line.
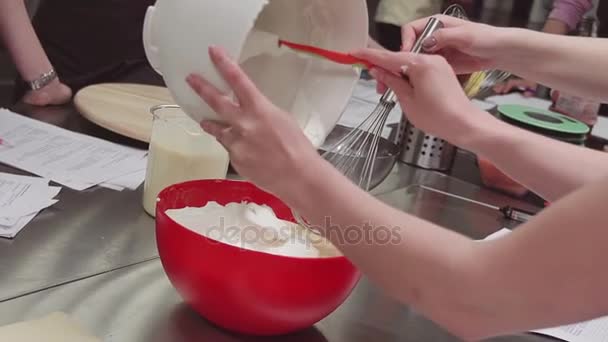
column 411, row 31
column 387, row 60
column 400, row 86
column 408, row 37
column 392, row 67
column 225, row 134
column 221, row 103
column 381, row 88
column 458, row 38
column 244, row 89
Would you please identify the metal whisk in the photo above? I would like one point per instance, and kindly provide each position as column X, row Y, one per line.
column 479, row 83
column 356, row 153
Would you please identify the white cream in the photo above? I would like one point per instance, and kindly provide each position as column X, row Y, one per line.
column 252, row 227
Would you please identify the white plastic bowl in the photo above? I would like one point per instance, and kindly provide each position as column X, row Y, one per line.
column 177, row 34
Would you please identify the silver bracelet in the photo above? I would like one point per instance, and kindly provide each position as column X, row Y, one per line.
column 43, row 80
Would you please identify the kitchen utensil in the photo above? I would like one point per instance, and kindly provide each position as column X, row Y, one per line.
column 179, row 151
column 481, row 83
column 260, row 42
column 426, row 151
column 417, row 147
column 331, row 55
column 355, row 154
column 122, row 108
column 384, row 161
column 511, row 213
column 431, row 152
column 177, row 35
column 242, row 290
column 358, row 149
column 456, row 11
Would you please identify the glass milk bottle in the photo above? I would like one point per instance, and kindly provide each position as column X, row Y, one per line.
column 179, row 151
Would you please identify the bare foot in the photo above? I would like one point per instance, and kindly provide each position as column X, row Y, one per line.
column 55, row 93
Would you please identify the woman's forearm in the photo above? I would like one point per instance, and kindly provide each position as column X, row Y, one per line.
column 473, row 289
column 550, row 168
column 572, row 64
column 21, row 40
column 549, row 272
column 400, row 253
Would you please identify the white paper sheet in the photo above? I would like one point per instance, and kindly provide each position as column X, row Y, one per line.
column 16, row 195
column 21, row 199
column 483, row 105
column 592, row 331
column 75, row 160
column 112, row 186
column 362, row 104
column 366, row 90
column 601, row 128
column 42, row 199
column 130, row 181
column 519, row 99
column 12, row 231
column 35, row 208
column 21, row 195
column 498, row 234
column 356, row 112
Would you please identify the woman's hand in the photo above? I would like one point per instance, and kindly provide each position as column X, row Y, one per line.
column 433, row 98
column 467, row 46
column 527, row 87
column 265, row 143
column 56, row 93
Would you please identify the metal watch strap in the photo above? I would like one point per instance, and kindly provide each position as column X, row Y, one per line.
column 43, row 80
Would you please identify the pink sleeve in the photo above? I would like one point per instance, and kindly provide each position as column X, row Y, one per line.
column 570, row 12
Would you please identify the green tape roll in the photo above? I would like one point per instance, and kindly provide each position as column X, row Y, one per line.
column 542, row 119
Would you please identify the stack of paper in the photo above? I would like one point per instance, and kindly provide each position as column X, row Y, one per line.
column 75, row 160
column 130, row 181
column 591, row 331
column 21, row 199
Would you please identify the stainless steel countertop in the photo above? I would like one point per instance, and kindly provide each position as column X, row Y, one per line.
column 84, row 234
column 138, row 304
column 94, row 256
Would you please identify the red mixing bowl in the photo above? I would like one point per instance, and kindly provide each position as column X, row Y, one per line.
column 240, row 290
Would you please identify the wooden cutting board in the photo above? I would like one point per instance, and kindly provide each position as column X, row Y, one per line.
column 123, row 108
column 56, row 327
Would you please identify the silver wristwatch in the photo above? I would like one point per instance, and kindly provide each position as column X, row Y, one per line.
column 43, row 80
